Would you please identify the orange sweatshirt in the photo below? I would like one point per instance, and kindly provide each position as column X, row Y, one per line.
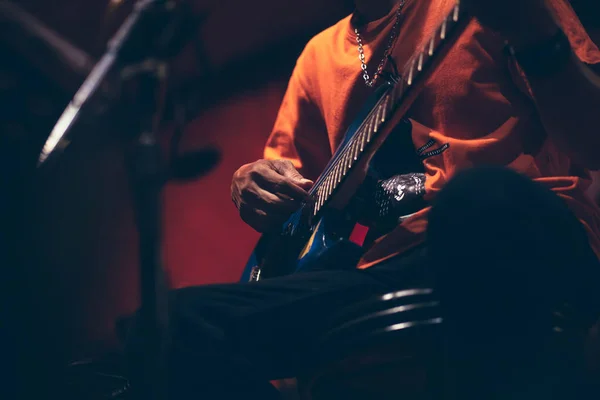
column 476, row 102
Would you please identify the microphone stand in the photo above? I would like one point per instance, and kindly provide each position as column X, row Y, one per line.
column 149, row 172
column 139, row 54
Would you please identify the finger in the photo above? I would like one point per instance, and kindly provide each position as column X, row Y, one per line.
column 305, row 184
column 260, row 198
column 287, row 169
column 275, row 183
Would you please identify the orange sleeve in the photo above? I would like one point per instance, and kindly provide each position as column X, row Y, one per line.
column 584, row 47
column 582, row 44
column 300, row 133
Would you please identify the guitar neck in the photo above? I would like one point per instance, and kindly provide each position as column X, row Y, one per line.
column 390, row 109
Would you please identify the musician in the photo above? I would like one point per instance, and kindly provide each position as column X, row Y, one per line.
column 508, row 130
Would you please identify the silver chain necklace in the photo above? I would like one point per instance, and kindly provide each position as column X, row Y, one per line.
column 361, row 52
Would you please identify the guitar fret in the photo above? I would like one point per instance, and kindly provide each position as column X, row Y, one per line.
column 336, row 176
column 329, row 189
column 340, row 174
column 333, row 177
column 350, row 154
column 416, row 73
column 325, row 188
column 355, row 147
column 320, row 198
column 390, row 104
column 420, row 66
column 349, row 159
column 363, row 137
column 332, row 182
column 378, row 112
column 372, row 128
column 379, row 117
column 366, row 131
column 431, row 46
column 411, row 73
column 344, row 163
column 456, row 12
column 381, row 113
column 317, row 201
column 444, row 27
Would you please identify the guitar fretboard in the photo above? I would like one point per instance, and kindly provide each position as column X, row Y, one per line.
column 350, row 154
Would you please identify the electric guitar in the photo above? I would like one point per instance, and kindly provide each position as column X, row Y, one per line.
column 316, row 236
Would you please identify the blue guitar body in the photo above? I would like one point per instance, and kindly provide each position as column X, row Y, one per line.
column 324, row 246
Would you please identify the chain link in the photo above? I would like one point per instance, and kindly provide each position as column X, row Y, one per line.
column 361, row 51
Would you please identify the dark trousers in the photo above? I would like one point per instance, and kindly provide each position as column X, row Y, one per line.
column 496, row 238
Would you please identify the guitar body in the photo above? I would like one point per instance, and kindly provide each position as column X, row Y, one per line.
column 324, row 246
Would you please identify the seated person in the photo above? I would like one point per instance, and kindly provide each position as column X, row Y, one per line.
column 532, row 112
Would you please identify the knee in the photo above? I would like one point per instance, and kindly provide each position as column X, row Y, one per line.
column 497, row 229
column 497, row 200
column 499, row 217
column 484, row 188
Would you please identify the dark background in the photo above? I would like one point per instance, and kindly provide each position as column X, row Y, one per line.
column 69, row 256
column 68, row 244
